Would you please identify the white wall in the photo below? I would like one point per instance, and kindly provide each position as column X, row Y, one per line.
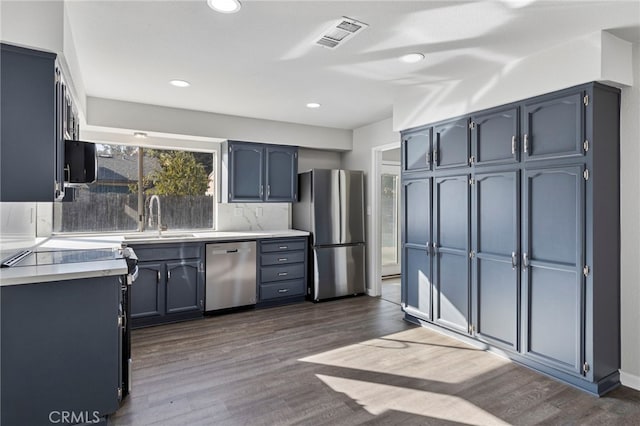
column 597, row 57
column 365, row 139
column 317, row 159
column 629, row 218
column 109, row 113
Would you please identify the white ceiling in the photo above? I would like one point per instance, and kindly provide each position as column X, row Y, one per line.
column 262, row 63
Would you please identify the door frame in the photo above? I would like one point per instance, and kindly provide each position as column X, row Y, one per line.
column 396, row 166
column 375, row 267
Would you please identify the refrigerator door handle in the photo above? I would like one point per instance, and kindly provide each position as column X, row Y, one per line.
column 343, row 200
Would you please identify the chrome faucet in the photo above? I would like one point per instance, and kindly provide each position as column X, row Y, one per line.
column 157, row 199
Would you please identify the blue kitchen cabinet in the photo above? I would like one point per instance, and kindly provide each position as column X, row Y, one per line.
column 281, row 174
column 170, row 284
column 416, row 150
column 60, row 350
column 451, row 224
column 31, row 166
column 494, row 136
column 282, row 271
column 553, row 126
column 255, row 172
column 495, row 246
column 451, row 144
column 416, row 242
column 539, row 274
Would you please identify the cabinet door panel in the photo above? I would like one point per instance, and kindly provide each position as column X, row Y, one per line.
column 451, row 260
column 495, row 137
column 182, row 286
column 417, row 278
column 147, row 291
column 416, row 150
column 246, row 172
column 497, row 302
column 417, row 202
column 282, row 174
column 417, row 289
column 553, row 128
column 452, row 144
column 495, row 242
column 554, row 299
column 453, row 212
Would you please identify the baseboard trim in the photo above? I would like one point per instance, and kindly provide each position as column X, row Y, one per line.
column 630, row 380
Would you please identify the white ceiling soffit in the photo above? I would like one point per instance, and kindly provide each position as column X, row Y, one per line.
column 263, row 62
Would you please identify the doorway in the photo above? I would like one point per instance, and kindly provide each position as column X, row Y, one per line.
column 389, row 214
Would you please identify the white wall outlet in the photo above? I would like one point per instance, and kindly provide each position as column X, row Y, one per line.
column 258, row 211
column 238, row 211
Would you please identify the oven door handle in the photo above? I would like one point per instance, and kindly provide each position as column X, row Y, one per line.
column 132, row 276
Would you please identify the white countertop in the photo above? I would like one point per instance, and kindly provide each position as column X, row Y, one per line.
column 47, row 273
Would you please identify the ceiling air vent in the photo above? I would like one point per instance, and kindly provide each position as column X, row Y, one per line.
column 338, row 34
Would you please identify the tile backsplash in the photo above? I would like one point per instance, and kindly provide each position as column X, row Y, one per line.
column 17, row 225
column 253, row 216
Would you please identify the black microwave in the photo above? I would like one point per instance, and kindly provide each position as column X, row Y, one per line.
column 80, row 162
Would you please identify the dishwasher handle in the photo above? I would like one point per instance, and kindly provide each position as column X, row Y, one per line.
column 232, row 251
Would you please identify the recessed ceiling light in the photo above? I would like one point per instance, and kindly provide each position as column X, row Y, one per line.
column 412, row 58
column 139, row 135
column 180, row 83
column 313, row 105
column 224, row 6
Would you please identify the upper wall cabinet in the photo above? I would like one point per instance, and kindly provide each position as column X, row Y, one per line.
column 553, row 127
column 416, row 150
column 255, row 172
column 451, row 144
column 494, row 137
column 36, row 116
column 28, row 137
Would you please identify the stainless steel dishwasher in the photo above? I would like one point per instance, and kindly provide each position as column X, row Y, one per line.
column 231, row 275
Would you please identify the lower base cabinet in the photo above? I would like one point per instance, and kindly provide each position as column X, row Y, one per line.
column 60, row 351
column 170, row 284
column 282, row 276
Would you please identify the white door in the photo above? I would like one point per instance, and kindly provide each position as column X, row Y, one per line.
column 389, row 219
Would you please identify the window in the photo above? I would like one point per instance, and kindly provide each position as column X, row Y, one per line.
column 118, row 201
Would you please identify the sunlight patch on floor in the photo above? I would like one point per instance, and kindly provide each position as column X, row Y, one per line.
column 417, row 353
column 377, row 398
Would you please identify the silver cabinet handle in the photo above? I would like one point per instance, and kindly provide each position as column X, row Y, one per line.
column 427, row 158
column 283, row 290
column 158, row 278
column 168, row 275
column 268, row 190
column 283, row 247
column 513, row 145
column 526, row 143
column 283, row 274
column 514, row 260
column 261, row 190
column 525, row 261
column 435, row 157
column 282, row 259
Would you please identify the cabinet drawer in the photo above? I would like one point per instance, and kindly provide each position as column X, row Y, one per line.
column 284, row 272
column 282, row 289
column 186, row 251
column 282, row 258
column 283, row 245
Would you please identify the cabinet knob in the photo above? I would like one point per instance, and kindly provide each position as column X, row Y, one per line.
column 283, row 290
column 283, row 274
column 526, row 143
column 525, row 261
column 513, row 145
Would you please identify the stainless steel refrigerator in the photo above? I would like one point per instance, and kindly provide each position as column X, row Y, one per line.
column 331, row 208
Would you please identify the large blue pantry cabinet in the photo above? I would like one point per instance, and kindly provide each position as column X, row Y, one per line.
column 511, row 229
column 36, row 116
column 254, row 172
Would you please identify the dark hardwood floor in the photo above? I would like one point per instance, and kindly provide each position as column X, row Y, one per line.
column 345, row 362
